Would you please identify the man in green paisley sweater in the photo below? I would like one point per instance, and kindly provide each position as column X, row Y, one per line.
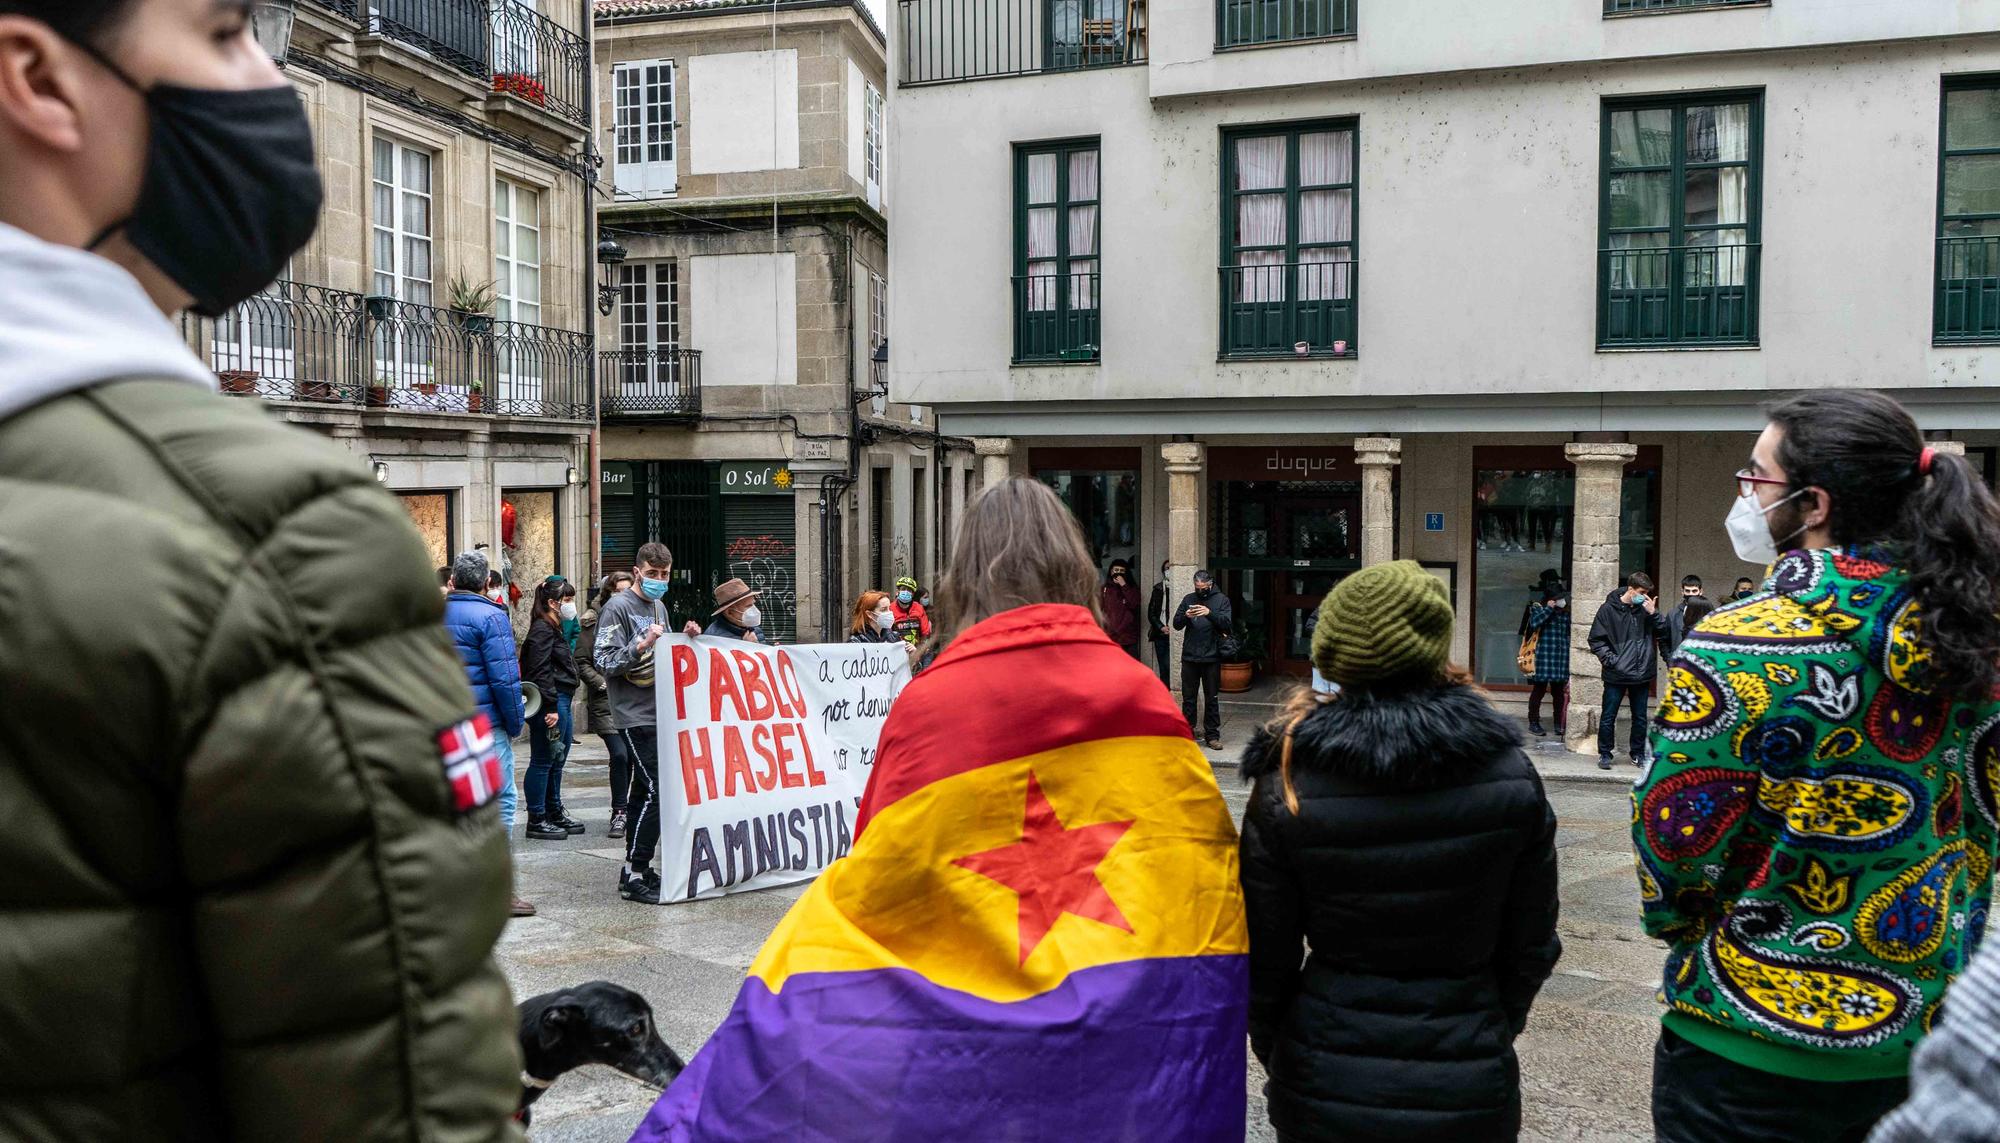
column 1817, row 831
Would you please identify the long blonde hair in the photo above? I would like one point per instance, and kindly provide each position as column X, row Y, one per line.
column 1017, row 544
column 1303, row 702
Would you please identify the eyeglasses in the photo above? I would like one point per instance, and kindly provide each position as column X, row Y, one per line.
column 1746, row 483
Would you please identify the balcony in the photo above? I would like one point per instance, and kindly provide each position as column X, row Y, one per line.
column 456, row 32
column 348, row 8
column 1289, row 309
column 945, row 41
column 654, row 384
column 1249, row 23
column 311, row 344
column 1056, row 317
column 1640, row 7
column 539, row 61
column 1968, row 289
column 1667, row 296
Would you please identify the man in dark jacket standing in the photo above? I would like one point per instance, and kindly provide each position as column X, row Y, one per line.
column 484, row 637
column 1622, row 637
column 1675, row 625
column 1159, row 621
column 1205, row 617
column 1119, row 600
column 252, row 881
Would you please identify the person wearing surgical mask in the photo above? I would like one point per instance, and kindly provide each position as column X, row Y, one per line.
column 874, row 621
column 1821, row 811
column 736, row 614
column 266, row 759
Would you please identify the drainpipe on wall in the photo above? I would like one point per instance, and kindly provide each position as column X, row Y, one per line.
column 588, row 243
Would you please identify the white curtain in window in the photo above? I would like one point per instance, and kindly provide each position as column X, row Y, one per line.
column 1260, row 219
column 1326, row 157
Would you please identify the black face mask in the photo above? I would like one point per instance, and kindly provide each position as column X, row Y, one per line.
column 1203, row 591
column 230, row 191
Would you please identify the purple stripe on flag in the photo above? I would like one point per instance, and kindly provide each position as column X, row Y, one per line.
column 1146, row 1050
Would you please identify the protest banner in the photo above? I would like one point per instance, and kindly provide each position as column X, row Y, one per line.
column 764, row 755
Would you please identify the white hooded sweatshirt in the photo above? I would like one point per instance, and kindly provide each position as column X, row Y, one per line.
column 70, row 319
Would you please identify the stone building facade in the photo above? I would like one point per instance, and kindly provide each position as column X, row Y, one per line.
column 744, row 419
column 439, row 322
column 1597, row 236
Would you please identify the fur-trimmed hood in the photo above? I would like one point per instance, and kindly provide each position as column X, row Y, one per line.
column 1408, row 739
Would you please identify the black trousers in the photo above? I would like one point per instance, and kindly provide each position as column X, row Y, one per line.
column 1207, row 679
column 642, row 835
column 1636, row 696
column 1557, row 691
column 1700, row 1097
column 621, row 769
column 1163, row 651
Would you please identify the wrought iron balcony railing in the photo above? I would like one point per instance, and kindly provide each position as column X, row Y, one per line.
column 1056, row 316
column 457, row 32
column 1621, row 7
column 642, row 382
column 1240, row 23
column 1289, row 309
column 1677, row 295
column 1968, row 289
column 948, row 40
column 299, row 342
column 348, row 8
column 292, row 342
column 540, row 61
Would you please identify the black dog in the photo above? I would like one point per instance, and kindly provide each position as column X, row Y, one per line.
column 595, row 1023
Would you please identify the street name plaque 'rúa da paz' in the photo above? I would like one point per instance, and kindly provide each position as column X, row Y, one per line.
column 764, row 755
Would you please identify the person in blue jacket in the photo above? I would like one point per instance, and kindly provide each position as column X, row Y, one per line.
column 484, row 636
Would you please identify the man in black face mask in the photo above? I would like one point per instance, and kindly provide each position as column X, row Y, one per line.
column 255, row 874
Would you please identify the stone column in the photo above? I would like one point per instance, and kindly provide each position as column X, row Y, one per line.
column 1186, row 461
column 1600, row 474
column 996, row 461
column 1379, row 457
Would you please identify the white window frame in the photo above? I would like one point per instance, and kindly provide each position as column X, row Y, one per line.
column 872, row 143
column 649, row 321
column 404, row 354
column 257, row 334
column 520, row 375
column 643, row 152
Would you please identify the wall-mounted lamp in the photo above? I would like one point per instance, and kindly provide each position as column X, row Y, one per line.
column 381, row 472
column 271, row 25
column 610, row 256
column 570, row 476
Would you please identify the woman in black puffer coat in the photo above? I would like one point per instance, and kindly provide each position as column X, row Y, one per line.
column 1397, row 837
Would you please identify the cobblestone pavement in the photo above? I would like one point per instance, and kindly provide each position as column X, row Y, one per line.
column 1585, row 1060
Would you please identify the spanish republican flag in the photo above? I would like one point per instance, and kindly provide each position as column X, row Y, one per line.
column 1038, row 934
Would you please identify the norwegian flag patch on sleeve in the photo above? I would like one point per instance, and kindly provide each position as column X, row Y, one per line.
column 471, row 763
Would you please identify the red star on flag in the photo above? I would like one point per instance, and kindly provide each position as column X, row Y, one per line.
column 1053, row 869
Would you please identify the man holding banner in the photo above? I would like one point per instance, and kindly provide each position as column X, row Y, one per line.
column 628, row 627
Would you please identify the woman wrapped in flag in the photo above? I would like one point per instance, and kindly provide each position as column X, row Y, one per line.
column 1039, row 933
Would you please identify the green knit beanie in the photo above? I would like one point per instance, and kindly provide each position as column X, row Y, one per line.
column 1383, row 623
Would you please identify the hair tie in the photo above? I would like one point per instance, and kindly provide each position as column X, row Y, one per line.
column 1924, row 460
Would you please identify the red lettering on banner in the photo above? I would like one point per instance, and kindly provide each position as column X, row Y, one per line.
column 687, row 669
column 813, row 775
column 760, row 741
column 788, row 684
column 734, row 762
column 696, row 760
column 763, row 704
column 722, row 681
column 779, row 733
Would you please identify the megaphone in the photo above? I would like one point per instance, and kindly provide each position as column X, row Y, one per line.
column 531, row 700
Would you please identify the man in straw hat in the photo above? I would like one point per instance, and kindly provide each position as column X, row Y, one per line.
column 736, row 615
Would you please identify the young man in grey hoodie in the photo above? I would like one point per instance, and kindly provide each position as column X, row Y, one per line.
column 253, row 880
column 629, row 627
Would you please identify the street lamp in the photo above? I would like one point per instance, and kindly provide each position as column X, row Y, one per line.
column 381, row 473
column 271, row 24
column 610, row 256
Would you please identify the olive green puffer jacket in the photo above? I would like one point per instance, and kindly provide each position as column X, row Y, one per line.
column 235, row 901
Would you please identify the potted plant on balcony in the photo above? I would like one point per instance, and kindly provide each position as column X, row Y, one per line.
column 238, row 380
column 315, row 390
column 521, row 84
column 472, row 304
column 380, row 307
column 1239, row 662
column 378, row 393
column 475, row 398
